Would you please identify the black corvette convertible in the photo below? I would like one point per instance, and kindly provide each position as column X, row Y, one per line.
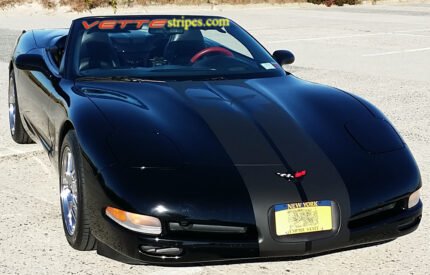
column 182, row 140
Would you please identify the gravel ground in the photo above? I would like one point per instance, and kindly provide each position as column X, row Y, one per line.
column 381, row 53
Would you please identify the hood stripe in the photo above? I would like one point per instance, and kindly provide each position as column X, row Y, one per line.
column 237, row 115
column 264, row 133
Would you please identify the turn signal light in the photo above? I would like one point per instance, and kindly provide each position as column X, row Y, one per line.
column 414, row 198
column 135, row 222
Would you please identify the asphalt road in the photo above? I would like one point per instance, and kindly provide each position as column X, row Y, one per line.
column 381, row 53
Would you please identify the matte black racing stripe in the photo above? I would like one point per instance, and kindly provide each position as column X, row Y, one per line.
column 284, row 161
column 255, row 159
column 256, row 130
column 297, row 183
column 266, row 136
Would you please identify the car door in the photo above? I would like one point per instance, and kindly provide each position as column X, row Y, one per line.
column 38, row 89
column 34, row 89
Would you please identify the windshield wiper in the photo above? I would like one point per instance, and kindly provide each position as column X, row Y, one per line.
column 116, row 78
column 181, row 70
column 216, row 78
column 92, row 78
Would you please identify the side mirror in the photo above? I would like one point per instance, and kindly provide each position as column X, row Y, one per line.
column 32, row 62
column 283, row 57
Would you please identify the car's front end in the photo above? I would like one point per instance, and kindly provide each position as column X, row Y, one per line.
column 198, row 227
column 219, row 181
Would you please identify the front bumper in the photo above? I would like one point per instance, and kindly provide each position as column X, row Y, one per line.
column 130, row 247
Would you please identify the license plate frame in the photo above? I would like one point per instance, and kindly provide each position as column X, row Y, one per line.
column 294, row 219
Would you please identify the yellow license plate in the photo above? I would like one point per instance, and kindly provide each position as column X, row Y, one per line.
column 303, row 217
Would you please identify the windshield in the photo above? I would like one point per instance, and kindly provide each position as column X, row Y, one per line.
column 167, row 47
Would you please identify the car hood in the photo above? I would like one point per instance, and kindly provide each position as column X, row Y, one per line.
column 260, row 127
column 249, row 122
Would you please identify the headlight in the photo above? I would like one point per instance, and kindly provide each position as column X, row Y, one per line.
column 135, row 222
column 374, row 135
column 414, row 198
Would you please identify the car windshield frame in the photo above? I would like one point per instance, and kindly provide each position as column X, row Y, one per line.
column 70, row 66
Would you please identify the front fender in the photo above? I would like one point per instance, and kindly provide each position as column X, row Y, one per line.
column 74, row 110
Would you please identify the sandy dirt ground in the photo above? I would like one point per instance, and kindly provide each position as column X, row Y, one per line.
column 381, row 53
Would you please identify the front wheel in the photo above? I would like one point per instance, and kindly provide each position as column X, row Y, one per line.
column 72, row 196
column 17, row 131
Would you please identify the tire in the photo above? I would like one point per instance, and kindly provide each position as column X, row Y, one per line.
column 72, row 196
column 17, row 131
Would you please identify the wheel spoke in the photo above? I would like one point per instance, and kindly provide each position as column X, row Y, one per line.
column 11, row 92
column 69, row 191
column 12, row 107
column 12, row 98
column 75, row 200
column 73, row 176
column 74, row 187
column 69, row 166
column 73, row 212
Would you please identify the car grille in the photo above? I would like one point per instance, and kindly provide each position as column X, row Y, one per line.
column 377, row 214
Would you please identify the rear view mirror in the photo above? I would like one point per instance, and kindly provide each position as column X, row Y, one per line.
column 31, row 62
column 283, row 57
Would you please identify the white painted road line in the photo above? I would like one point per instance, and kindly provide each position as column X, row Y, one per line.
column 325, row 38
column 397, row 52
column 400, row 32
column 415, row 30
column 413, row 34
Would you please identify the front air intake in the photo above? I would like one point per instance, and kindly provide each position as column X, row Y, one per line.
column 161, row 251
column 206, row 228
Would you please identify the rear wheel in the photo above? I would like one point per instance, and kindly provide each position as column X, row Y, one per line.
column 17, row 131
column 73, row 201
